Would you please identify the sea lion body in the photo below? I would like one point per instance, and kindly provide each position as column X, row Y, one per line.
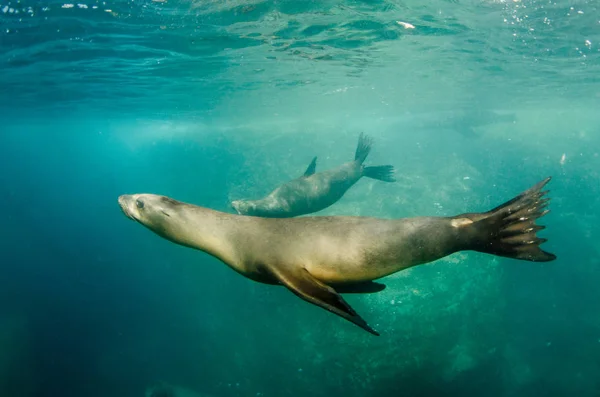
column 313, row 192
column 342, row 250
column 319, row 257
column 305, row 194
column 466, row 122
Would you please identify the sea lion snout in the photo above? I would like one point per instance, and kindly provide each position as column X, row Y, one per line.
column 125, row 201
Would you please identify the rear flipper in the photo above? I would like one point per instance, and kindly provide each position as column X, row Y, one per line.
column 509, row 230
column 381, row 172
column 363, row 148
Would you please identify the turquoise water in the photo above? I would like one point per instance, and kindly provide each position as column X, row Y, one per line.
column 211, row 101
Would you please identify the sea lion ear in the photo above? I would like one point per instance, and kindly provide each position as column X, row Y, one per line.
column 304, row 285
column 312, row 167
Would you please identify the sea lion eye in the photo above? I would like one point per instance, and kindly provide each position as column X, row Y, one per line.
column 139, row 203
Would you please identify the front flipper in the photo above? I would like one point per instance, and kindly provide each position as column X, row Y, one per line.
column 304, row 285
column 312, row 167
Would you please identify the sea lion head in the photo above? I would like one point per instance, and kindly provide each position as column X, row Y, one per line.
column 151, row 210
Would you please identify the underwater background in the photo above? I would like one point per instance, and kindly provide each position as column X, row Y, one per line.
column 473, row 101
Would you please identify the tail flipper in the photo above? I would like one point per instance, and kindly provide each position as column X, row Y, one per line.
column 509, row 230
column 381, row 172
column 363, row 148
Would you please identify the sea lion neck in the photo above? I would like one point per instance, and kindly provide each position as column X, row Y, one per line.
column 200, row 228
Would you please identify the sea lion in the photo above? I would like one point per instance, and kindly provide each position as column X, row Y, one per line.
column 319, row 257
column 313, row 191
column 466, row 122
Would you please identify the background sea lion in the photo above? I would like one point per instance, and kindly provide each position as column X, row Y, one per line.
column 467, row 122
column 314, row 192
column 319, row 257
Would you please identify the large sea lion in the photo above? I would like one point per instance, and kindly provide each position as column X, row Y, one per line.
column 313, row 191
column 319, row 257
